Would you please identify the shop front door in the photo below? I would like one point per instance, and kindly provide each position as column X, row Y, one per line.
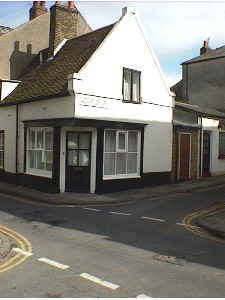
column 78, row 161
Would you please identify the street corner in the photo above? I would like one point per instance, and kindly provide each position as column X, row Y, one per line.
column 210, row 222
column 12, row 248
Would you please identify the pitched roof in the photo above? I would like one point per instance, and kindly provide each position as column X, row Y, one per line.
column 210, row 54
column 50, row 78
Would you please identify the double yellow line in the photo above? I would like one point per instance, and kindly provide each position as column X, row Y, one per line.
column 22, row 243
column 188, row 220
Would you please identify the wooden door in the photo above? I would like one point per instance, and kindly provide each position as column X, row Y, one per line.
column 184, row 157
column 206, row 154
column 78, row 152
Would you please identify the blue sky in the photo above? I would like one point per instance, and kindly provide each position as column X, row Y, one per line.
column 176, row 29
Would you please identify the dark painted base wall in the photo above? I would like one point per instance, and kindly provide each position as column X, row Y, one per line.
column 35, row 182
column 47, row 185
column 148, row 179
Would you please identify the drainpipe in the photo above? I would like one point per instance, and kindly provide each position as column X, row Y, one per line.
column 200, row 157
column 17, row 134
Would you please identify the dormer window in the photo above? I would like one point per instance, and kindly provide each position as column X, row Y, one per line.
column 131, row 85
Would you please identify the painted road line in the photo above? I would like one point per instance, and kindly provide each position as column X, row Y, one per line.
column 18, row 250
column 53, row 263
column 143, row 296
column 183, row 224
column 91, row 209
column 153, row 219
column 119, row 213
column 99, row 281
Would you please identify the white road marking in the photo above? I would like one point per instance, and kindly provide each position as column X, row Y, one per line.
column 143, row 296
column 53, row 263
column 153, row 219
column 92, row 209
column 183, row 224
column 99, row 281
column 119, row 213
column 22, row 251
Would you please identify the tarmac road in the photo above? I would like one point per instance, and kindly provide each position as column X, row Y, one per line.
column 122, row 251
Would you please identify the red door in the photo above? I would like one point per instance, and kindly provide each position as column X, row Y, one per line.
column 184, row 157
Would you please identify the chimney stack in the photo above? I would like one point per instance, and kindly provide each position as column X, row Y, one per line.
column 66, row 22
column 37, row 9
column 205, row 48
column 71, row 4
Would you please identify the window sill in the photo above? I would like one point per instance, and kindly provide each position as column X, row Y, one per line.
column 120, row 177
column 40, row 173
column 130, row 101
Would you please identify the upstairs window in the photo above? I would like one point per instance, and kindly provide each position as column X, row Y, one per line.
column 2, row 149
column 131, row 85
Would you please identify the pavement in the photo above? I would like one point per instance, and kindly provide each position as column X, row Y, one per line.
column 213, row 221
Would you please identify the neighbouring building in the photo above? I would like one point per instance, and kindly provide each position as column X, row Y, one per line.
column 199, row 115
column 93, row 114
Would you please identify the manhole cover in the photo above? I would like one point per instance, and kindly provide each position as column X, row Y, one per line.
column 168, row 259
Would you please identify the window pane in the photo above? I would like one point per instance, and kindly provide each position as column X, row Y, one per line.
column 222, row 143
column 31, row 139
column 122, row 140
column 84, row 141
column 40, row 140
column 48, row 140
column 1, row 159
column 32, row 156
column 83, row 158
column 132, row 141
column 132, row 163
column 136, row 86
column 72, row 158
column 39, row 159
column 72, row 141
column 121, row 163
column 109, row 163
column 127, row 84
column 110, row 141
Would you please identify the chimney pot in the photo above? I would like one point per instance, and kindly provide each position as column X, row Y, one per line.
column 36, row 3
column 71, row 4
column 43, row 3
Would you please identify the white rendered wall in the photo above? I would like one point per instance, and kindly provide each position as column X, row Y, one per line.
column 8, row 124
column 217, row 166
column 99, row 92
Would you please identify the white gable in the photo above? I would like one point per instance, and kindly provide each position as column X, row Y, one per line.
column 125, row 46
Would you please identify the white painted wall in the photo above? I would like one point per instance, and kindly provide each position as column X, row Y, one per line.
column 6, row 88
column 101, row 77
column 8, row 124
column 217, row 166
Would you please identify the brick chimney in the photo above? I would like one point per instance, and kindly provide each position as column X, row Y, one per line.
column 66, row 22
column 205, row 48
column 37, row 9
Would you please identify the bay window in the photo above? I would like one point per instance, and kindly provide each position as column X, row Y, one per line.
column 40, row 151
column 121, row 154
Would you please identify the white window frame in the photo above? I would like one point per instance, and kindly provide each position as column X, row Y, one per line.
column 122, row 176
column 32, row 171
column 3, row 150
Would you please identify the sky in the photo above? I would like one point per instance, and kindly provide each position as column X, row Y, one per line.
column 176, row 29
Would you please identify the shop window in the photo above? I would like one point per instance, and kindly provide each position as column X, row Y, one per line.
column 121, row 154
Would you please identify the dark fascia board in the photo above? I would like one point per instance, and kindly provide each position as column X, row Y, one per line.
column 82, row 122
column 10, row 80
